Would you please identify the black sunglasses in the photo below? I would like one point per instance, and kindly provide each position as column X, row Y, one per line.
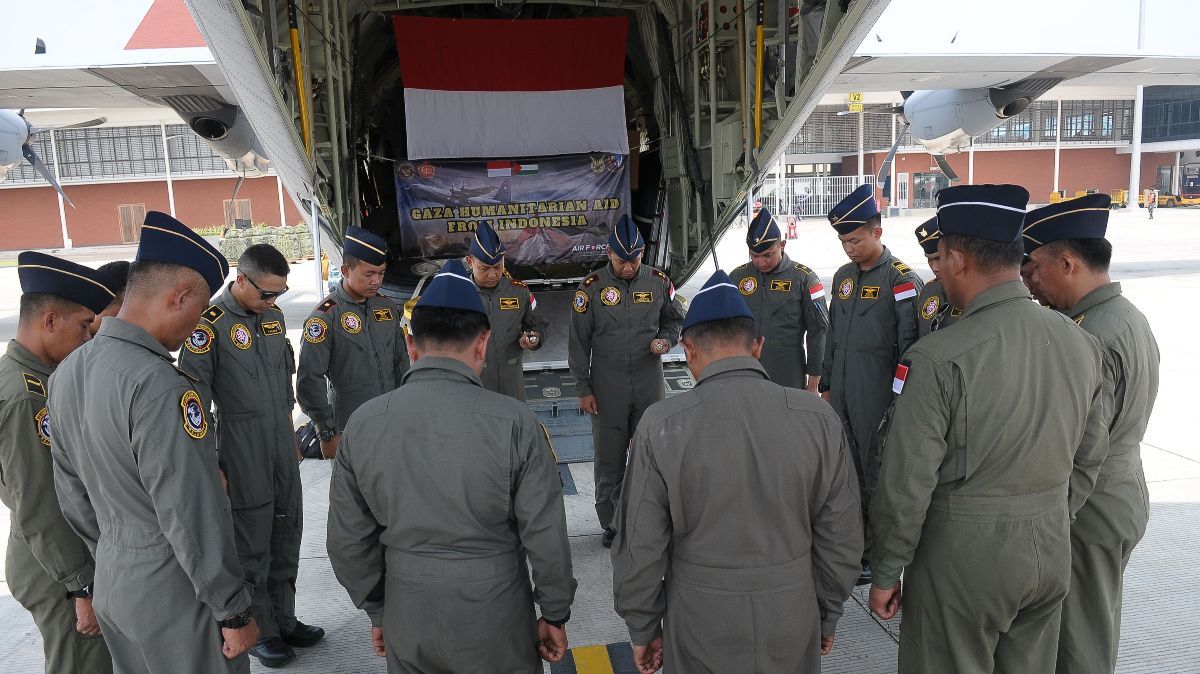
column 265, row 295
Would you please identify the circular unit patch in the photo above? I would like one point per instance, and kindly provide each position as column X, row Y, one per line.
column 748, row 285
column 193, row 415
column 351, row 323
column 610, row 296
column 581, row 301
column 201, row 340
column 42, row 419
column 930, row 308
column 314, row 330
column 845, row 289
column 241, row 336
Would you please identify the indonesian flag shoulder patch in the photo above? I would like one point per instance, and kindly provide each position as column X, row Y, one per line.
column 816, row 291
column 904, row 291
column 899, row 379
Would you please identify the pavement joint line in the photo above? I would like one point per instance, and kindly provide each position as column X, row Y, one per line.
column 878, row 621
column 1163, row 449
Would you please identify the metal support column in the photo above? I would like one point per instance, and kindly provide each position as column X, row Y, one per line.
column 162, row 126
column 282, row 212
column 1057, row 143
column 861, row 145
column 971, row 164
column 316, row 235
column 1177, row 174
column 1135, row 154
column 892, row 192
column 62, row 209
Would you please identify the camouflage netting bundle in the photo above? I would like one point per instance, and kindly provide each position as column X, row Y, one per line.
column 294, row 242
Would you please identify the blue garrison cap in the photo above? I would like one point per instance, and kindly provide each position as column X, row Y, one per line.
column 992, row 212
column 854, row 211
column 486, row 245
column 626, row 241
column 165, row 239
column 1082, row 218
column 368, row 247
column 716, row 300
column 928, row 235
column 762, row 232
column 87, row 287
column 452, row 288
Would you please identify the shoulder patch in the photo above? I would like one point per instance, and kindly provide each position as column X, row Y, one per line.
column 901, row 267
column 590, row 280
column 326, row 305
column 193, row 415
column 315, row 330
column 581, row 302
column 213, row 314
column 34, row 384
column 201, row 340
column 900, row 377
column 41, row 422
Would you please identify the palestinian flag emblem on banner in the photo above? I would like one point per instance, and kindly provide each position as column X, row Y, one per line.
column 507, row 169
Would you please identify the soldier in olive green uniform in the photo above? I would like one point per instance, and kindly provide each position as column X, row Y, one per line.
column 1114, row 517
column 933, row 311
column 512, row 313
column 135, row 467
column 242, row 361
column 758, row 583
column 48, row 568
column 788, row 302
column 972, row 501
column 440, row 492
column 872, row 321
column 626, row 317
column 353, row 342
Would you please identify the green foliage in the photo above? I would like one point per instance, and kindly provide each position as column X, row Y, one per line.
column 294, row 242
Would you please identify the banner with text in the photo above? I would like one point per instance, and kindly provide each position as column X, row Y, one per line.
column 548, row 210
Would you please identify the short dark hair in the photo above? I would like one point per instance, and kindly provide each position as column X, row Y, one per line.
column 149, row 276
column 737, row 331
column 989, row 256
column 350, row 261
column 261, row 259
column 35, row 304
column 448, row 328
column 1095, row 253
column 118, row 271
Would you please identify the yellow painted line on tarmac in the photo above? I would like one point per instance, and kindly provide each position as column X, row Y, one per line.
column 592, row 660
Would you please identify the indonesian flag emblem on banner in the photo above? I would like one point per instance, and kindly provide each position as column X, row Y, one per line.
column 502, row 88
column 905, row 291
column 899, row 379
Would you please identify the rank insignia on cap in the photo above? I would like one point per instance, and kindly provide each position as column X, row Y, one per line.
column 272, row 328
column 899, row 379
column 200, row 341
column 610, row 296
column 382, row 314
column 781, row 286
column 845, row 289
column 869, row 293
column 42, row 421
column 33, row 384
column 241, row 336
column 643, row 297
column 509, row 303
column 581, row 302
column 314, row 330
column 213, row 314
column 748, row 285
column 930, row 308
column 816, row 292
column 193, row 415
column 904, row 291
column 351, row 322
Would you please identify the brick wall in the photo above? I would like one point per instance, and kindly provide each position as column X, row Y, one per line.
column 29, row 215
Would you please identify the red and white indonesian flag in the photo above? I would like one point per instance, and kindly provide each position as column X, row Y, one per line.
column 502, row 88
column 899, row 378
column 904, row 291
column 816, row 292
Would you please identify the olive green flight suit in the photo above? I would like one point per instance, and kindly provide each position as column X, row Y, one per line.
column 738, row 531
column 135, row 466
column 45, row 558
column 933, row 309
column 869, row 328
column 243, row 363
column 439, row 493
column 789, row 307
column 1114, row 517
column 512, row 310
column 355, row 348
column 609, row 354
column 972, row 502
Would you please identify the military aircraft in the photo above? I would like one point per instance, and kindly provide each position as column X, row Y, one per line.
column 15, row 135
column 461, row 195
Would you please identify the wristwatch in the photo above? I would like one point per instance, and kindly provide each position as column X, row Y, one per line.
column 237, row 622
column 327, row 434
column 558, row 623
column 84, row 592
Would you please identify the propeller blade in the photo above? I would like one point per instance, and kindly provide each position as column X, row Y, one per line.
column 38, row 166
column 945, row 166
column 77, row 125
column 886, row 168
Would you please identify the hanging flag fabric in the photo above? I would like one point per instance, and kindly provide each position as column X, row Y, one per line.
column 497, row 88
